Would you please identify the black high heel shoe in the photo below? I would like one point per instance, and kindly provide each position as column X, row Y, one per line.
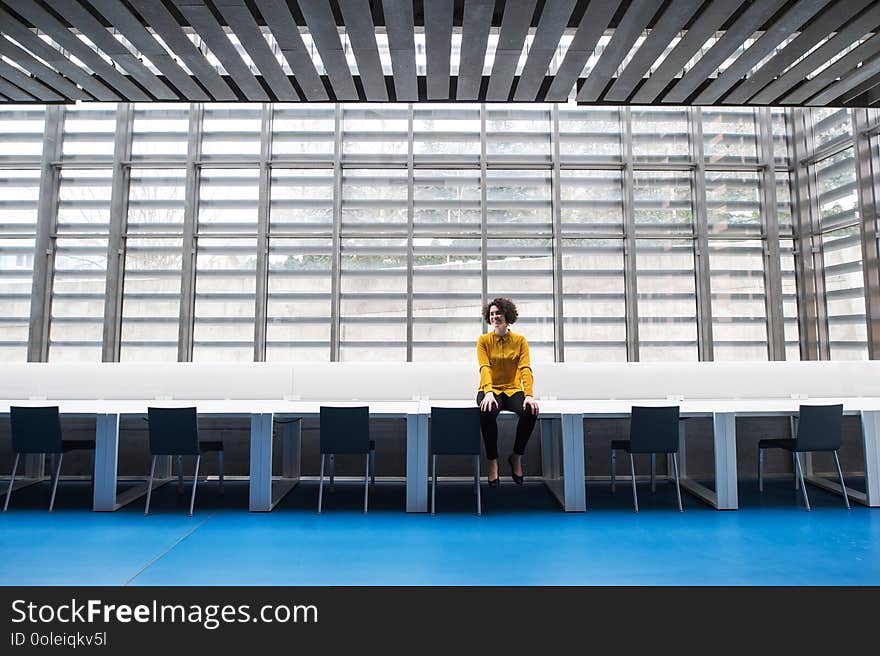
column 516, row 479
column 494, row 482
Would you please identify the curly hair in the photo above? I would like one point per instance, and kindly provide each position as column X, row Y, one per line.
column 507, row 306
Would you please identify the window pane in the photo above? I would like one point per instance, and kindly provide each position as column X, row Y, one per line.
column 520, row 134
column 301, row 200
column 374, row 199
column 84, row 200
column 21, row 132
column 16, row 277
column 228, row 200
column 729, row 135
column 160, row 131
column 838, row 197
column 662, row 201
column 589, row 134
column 446, row 133
column 733, row 202
column 373, row 134
column 660, row 134
column 845, row 294
column 156, row 200
column 231, row 130
column 789, row 300
column 303, row 131
column 446, row 201
column 518, row 201
column 89, row 131
column 591, row 201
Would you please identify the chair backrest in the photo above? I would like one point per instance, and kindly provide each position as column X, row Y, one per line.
column 819, row 427
column 35, row 430
column 455, row 431
column 654, row 429
column 345, row 429
column 173, row 431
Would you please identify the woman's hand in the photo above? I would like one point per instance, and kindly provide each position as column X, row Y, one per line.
column 489, row 400
column 531, row 405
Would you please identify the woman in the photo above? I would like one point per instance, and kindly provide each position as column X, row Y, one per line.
column 505, row 384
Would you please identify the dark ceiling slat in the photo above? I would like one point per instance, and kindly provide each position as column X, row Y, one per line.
column 871, row 97
column 400, row 26
column 709, row 21
column 789, row 23
column 514, row 29
column 362, row 36
column 280, row 21
column 839, row 42
column 861, row 91
column 554, row 18
column 132, row 29
column 674, row 18
column 99, row 35
column 476, row 23
column 41, row 71
column 831, row 19
column 841, row 67
column 161, row 20
column 593, row 23
column 42, row 20
column 12, row 27
column 13, row 92
column 637, row 16
column 239, row 18
column 322, row 27
column 743, row 27
column 33, row 86
column 835, row 93
column 206, row 26
column 438, row 46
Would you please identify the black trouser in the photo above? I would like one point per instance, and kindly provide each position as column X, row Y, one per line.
column 489, row 425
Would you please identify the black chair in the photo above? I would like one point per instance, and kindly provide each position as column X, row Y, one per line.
column 818, row 429
column 455, row 432
column 175, row 432
column 37, row 430
column 346, row 431
column 651, row 430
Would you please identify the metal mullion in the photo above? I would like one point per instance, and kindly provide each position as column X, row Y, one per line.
column 772, row 267
column 336, row 257
column 44, row 244
column 866, row 166
column 262, row 282
column 190, row 221
column 817, row 249
column 556, row 208
column 484, row 241
column 838, row 145
column 115, row 243
column 701, row 239
column 410, row 219
column 630, row 271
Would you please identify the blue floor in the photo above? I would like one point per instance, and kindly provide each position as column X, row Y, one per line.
column 521, row 539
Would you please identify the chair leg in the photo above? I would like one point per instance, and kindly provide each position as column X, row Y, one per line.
column 613, row 468
column 842, row 484
column 760, row 470
column 220, row 466
column 477, row 478
column 632, row 470
column 653, row 473
column 192, row 498
column 366, row 481
column 55, row 482
column 150, row 486
column 434, row 484
column 677, row 484
column 11, row 481
column 332, row 472
column 321, row 485
column 373, row 467
column 180, row 474
column 800, row 476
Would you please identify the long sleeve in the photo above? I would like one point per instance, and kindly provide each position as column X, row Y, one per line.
column 525, row 369
column 485, row 368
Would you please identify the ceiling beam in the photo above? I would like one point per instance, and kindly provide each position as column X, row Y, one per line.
column 743, row 27
column 514, row 29
column 830, row 21
column 362, row 36
column 163, row 23
column 322, row 27
column 591, row 28
column 13, row 92
column 42, row 72
column 708, row 22
column 438, row 47
column 476, row 23
column 637, row 16
column 211, row 32
column 33, row 86
column 400, row 27
column 554, row 19
column 836, row 93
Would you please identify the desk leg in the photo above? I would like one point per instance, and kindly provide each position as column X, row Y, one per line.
column 573, row 463
column 261, row 463
column 871, row 437
column 417, row 463
column 106, row 458
column 724, row 425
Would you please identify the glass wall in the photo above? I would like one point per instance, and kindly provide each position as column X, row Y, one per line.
column 376, row 232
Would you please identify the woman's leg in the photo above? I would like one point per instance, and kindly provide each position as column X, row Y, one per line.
column 489, row 429
column 524, row 426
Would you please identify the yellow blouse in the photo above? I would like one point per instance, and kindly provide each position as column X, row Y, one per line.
column 505, row 364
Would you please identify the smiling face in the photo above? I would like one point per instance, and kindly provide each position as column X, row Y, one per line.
column 497, row 319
